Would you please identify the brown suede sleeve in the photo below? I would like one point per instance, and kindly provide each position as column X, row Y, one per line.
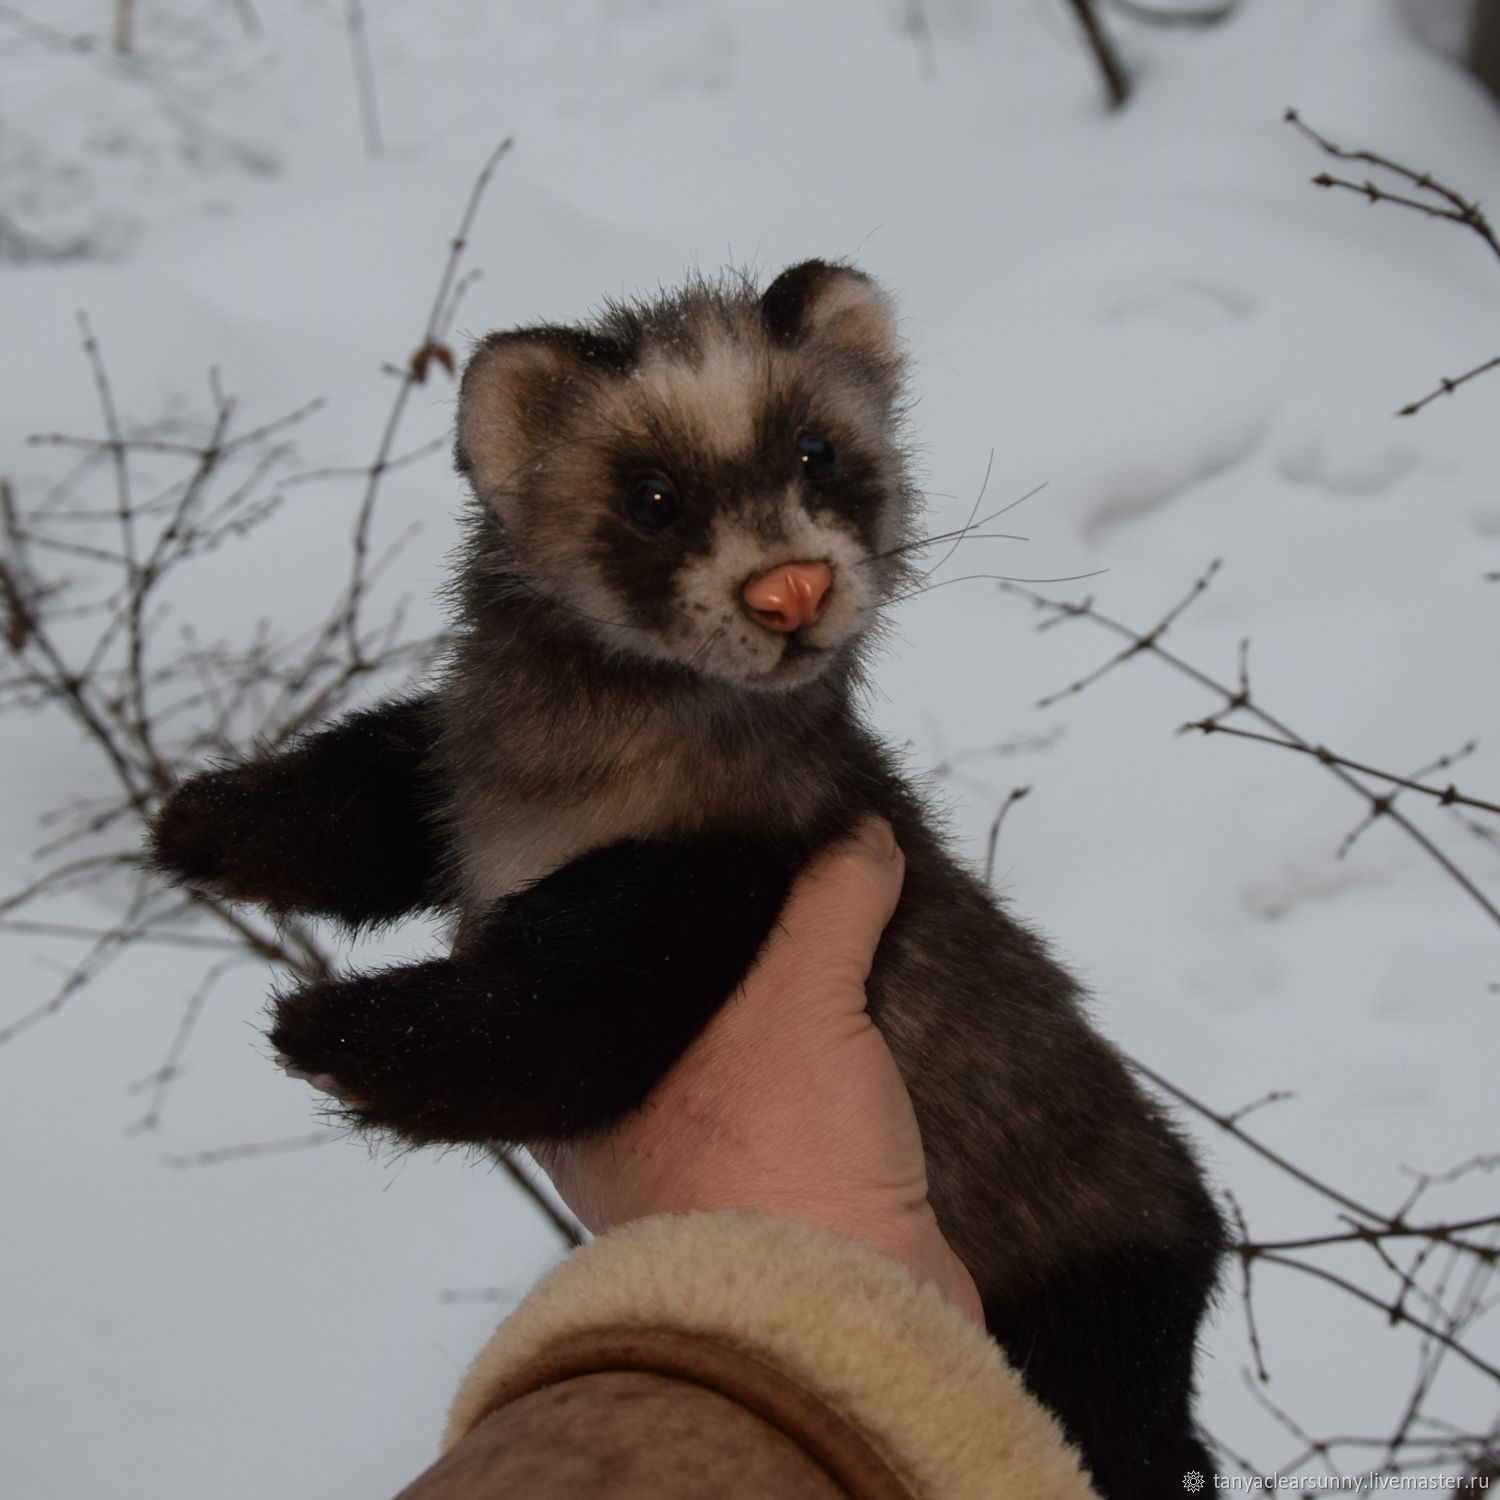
column 727, row 1354
column 626, row 1415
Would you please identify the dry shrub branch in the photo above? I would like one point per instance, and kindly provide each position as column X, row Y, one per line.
column 1422, row 193
column 96, row 632
column 1432, row 1277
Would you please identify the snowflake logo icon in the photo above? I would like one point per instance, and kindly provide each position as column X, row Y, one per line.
column 1192, row 1481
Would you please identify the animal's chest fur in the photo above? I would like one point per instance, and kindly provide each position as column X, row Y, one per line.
column 526, row 801
column 503, row 843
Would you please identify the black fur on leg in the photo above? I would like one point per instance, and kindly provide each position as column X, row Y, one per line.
column 337, row 826
column 572, row 999
column 1108, row 1347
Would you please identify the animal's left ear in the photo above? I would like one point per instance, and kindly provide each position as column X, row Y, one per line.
column 816, row 302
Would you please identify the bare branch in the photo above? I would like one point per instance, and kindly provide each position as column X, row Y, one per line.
column 248, row 1150
column 1394, row 1312
column 567, row 1230
column 1447, row 796
column 992, row 843
column 364, row 75
column 1447, row 386
column 161, row 1081
column 1116, row 80
column 1236, row 700
column 1460, row 209
column 1442, row 202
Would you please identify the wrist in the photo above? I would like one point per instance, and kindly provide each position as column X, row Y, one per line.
column 910, row 1236
column 920, row 1245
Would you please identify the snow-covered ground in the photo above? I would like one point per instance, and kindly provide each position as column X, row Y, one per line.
column 1152, row 312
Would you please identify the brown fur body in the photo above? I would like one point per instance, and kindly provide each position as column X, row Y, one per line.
column 1010, row 1082
column 620, row 763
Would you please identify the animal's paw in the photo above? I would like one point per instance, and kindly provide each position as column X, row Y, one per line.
column 323, row 1036
column 199, row 835
column 384, row 1047
column 455, row 1052
column 325, row 1083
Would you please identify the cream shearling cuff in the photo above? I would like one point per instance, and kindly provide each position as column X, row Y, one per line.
column 928, row 1388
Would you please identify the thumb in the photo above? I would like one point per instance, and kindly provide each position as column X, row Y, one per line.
column 833, row 919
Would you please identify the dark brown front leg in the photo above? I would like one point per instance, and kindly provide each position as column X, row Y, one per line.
column 568, row 1002
column 338, row 826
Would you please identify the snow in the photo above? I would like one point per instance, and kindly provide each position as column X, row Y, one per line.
column 1154, row 313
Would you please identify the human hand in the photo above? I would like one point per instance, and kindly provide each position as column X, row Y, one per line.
column 789, row 1102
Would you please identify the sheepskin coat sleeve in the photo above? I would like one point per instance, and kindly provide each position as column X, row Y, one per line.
column 728, row 1354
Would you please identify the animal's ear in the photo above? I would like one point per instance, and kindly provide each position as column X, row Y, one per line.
column 518, row 387
column 818, row 302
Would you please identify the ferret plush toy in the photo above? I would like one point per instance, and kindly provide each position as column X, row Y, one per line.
column 687, row 517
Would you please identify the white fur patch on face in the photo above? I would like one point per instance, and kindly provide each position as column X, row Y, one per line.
column 714, row 389
column 714, row 635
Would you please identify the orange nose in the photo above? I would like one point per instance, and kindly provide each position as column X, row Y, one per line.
column 790, row 596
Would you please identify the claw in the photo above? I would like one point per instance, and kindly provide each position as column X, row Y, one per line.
column 325, row 1083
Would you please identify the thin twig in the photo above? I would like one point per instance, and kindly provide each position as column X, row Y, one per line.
column 124, row 27
column 250, row 1149
column 166, row 1075
column 1116, row 80
column 438, row 318
column 1453, row 205
column 567, row 1230
column 1247, row 1290
column 1396, row 1313
column 992, row 843
column 1446, row 796
column 1234, row 700
column 1447, row 386
column 364, row 75
column 1450, row 204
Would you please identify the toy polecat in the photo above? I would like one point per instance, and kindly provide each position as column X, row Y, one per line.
column 687, row 515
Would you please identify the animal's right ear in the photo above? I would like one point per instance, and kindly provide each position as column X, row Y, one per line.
column 517, row 388
column 834, row 305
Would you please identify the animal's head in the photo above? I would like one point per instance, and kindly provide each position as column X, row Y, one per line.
column 713, row 479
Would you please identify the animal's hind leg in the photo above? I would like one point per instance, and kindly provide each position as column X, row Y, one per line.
column 1108, row 1347
column 567, row 1004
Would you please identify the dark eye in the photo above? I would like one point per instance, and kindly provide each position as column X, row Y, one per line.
column 816, row 456
column 651, row 502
